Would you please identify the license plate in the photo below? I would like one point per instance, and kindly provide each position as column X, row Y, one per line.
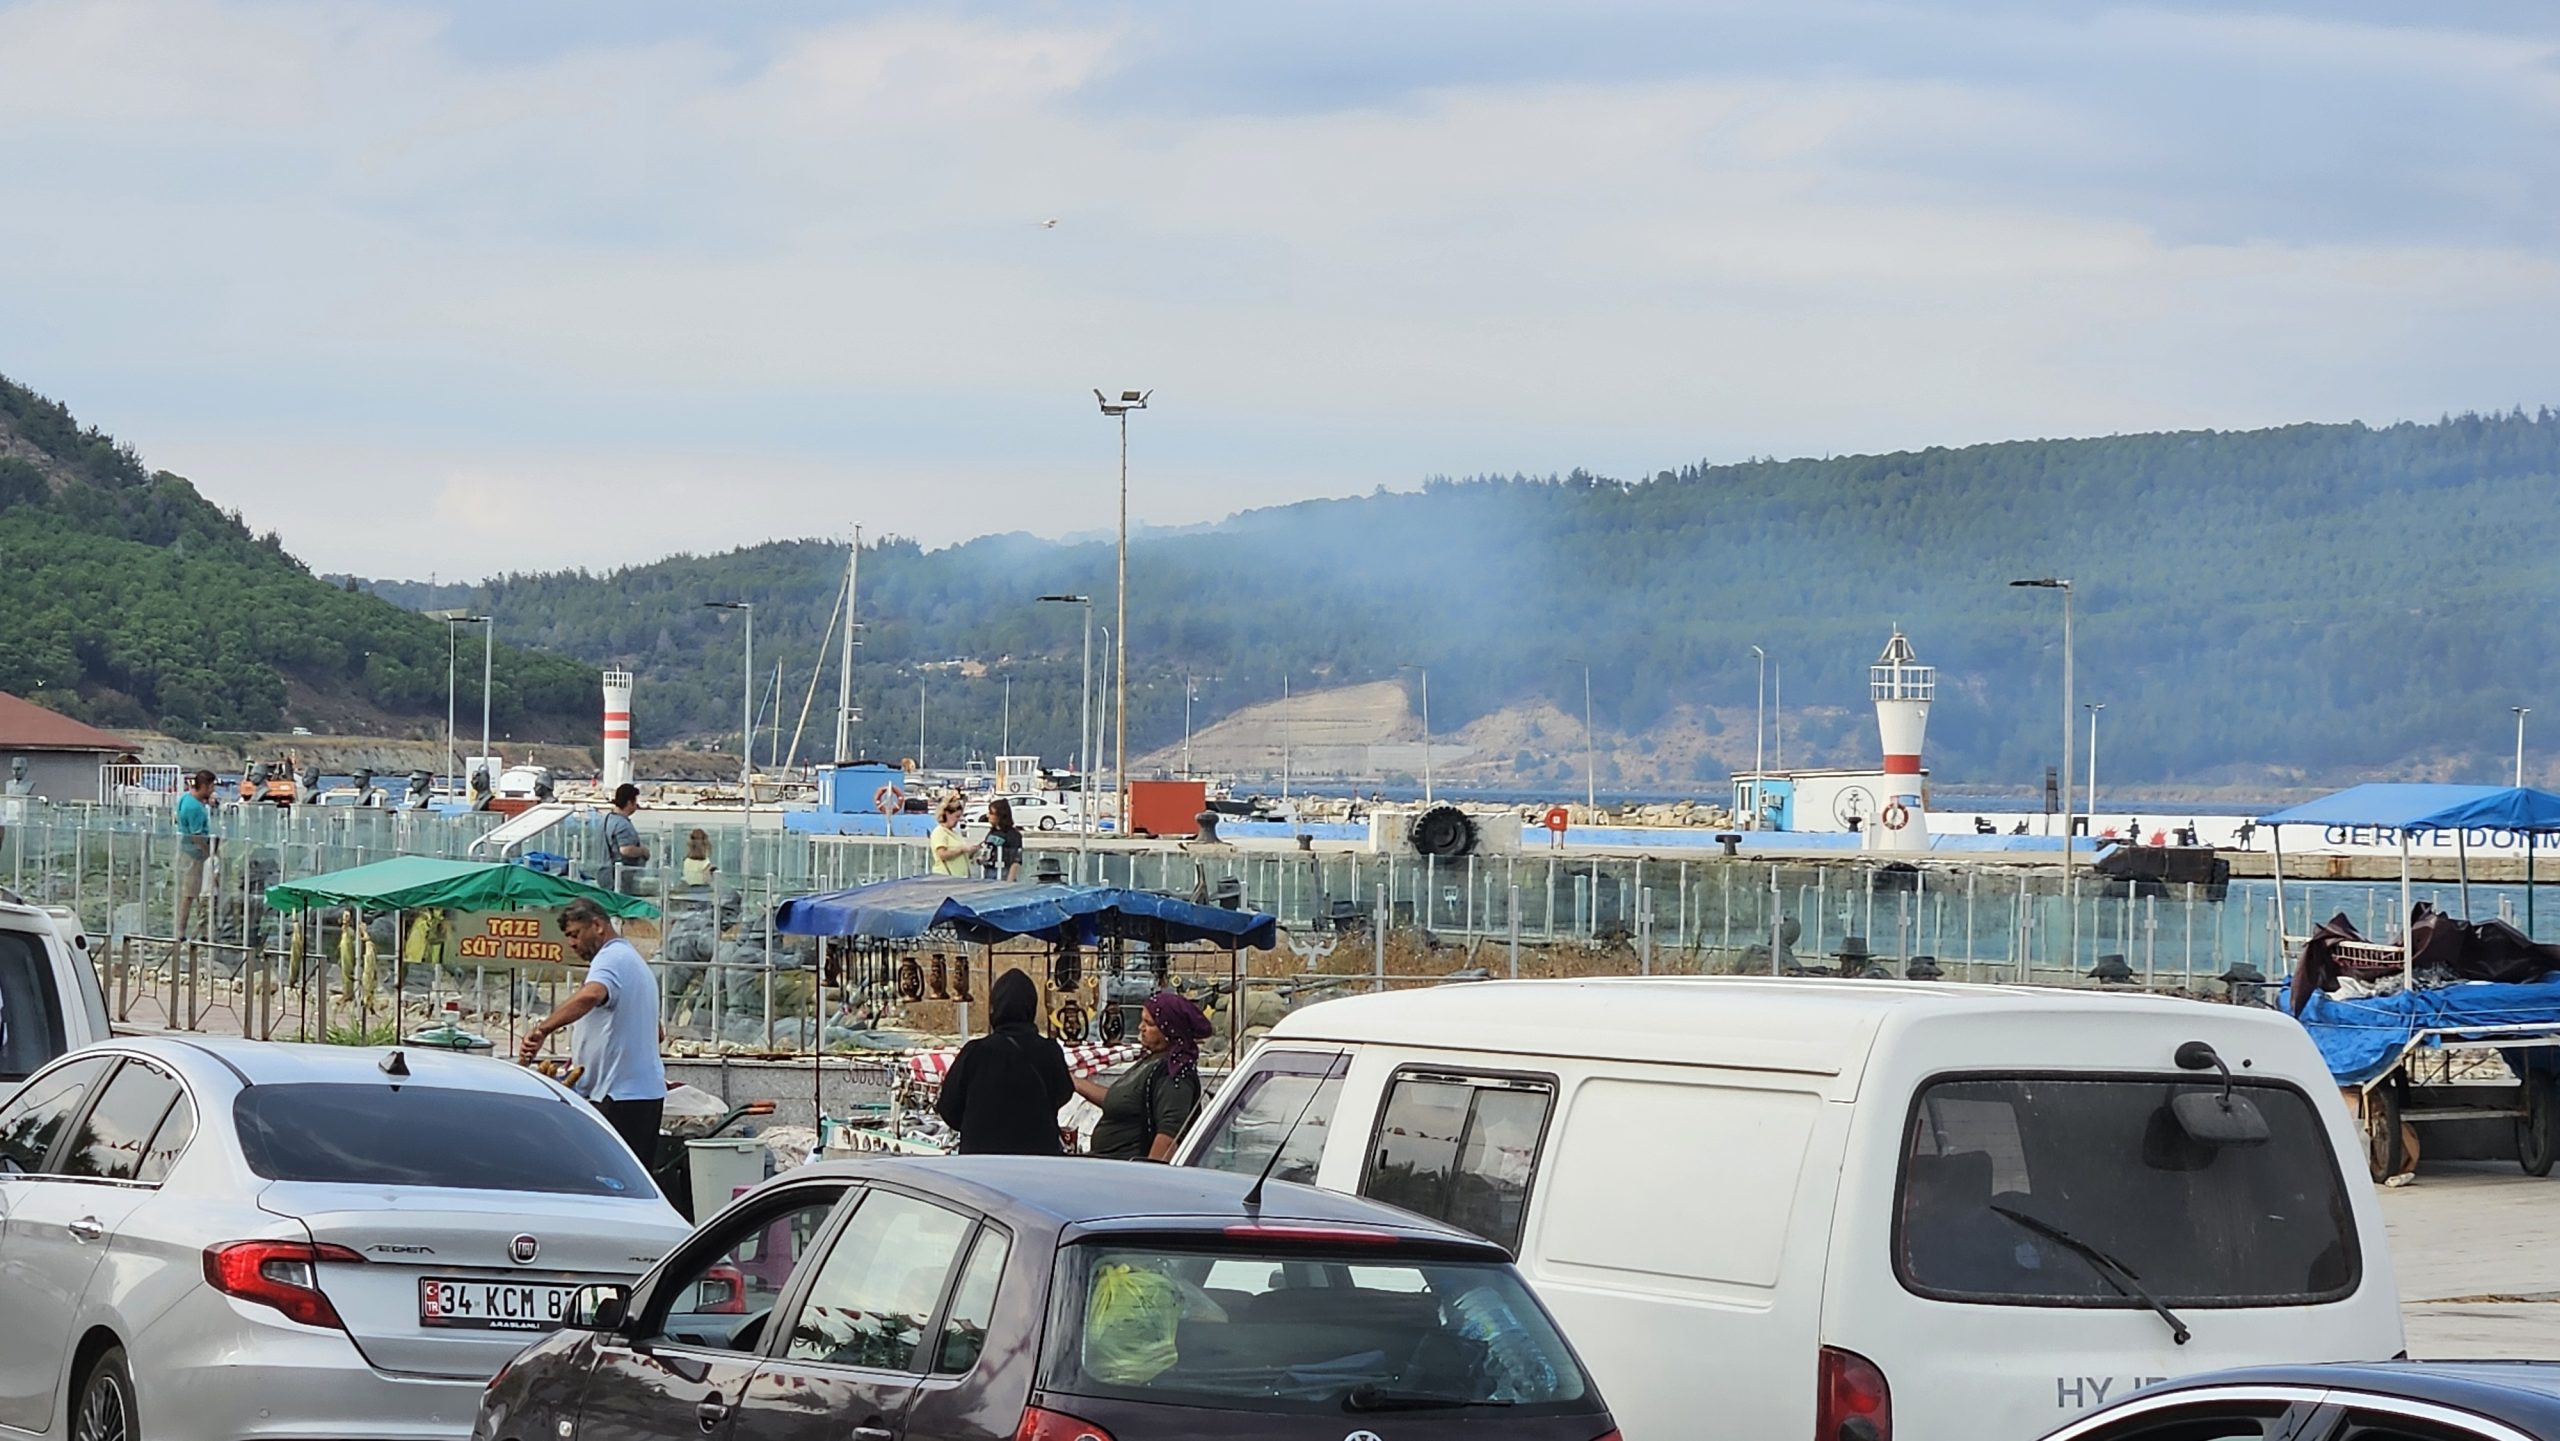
column 493, row 1305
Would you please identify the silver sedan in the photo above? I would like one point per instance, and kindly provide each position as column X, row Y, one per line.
column 213, row 1237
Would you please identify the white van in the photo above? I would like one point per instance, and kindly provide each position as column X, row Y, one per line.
column 50, row 1001
column 1850, row 1210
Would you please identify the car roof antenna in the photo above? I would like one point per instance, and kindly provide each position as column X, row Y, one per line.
column 395, row 1064
column 1253, row 1198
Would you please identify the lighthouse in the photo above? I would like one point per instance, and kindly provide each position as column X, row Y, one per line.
column 1903, row 688
column 617, row 729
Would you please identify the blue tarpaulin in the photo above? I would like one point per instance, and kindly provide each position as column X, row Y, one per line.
column 979, row 910
column 2362, row 1039
column 2411, row 807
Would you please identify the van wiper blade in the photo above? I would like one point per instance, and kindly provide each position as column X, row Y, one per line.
column 1378, row 1398
column 2110, row 1270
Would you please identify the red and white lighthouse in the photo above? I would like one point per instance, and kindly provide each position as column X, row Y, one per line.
column 617, row 729
column 1902, row 688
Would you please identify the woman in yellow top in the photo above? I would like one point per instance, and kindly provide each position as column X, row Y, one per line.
column 698, row 869
column 950, row 852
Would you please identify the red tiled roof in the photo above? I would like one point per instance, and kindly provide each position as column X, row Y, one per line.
column 26, row 726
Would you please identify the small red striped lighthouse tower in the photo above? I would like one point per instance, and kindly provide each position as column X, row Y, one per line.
column 1903, row 689
column 617, row 729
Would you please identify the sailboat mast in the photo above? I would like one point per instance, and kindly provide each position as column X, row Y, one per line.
column 844, row 671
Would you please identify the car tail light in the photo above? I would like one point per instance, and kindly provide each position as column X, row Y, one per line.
column 281, row 1274
column 1854, row 1403
column 1040, row 1425
column 1607, row 1436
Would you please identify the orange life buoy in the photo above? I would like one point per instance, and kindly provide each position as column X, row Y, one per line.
column 1556, row 819
column 888, row 800
column 1896, row 816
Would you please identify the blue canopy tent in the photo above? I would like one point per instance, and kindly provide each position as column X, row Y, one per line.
column 985, row 912
column 2405, row 809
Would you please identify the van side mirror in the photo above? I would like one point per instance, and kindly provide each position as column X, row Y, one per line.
column 2219, row 1120
column 597, row 1308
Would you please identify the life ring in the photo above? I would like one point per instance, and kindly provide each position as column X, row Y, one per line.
column 888, row 800
column 1896, row 816
column 1556, row 819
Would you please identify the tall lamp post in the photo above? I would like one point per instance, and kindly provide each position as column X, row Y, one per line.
column 2521, row 712
column 2093, row 707
column 1425, row 673
column 746, row 702
column 1119, row 410
column 1084, row 736
column 488, row 658
column 1590, row 749
column 2071, row 897
column 1759, row 737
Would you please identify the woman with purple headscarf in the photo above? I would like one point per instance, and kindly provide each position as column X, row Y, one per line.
column 1143, row 1112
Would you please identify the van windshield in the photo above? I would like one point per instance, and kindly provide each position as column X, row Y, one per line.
column 2043, row 1191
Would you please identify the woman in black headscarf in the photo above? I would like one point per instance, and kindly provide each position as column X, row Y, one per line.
column 1143, row 1112
column 1004, row 1089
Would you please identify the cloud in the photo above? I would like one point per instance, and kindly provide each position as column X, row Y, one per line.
column 676, row 277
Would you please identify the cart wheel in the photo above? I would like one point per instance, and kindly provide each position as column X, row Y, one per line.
column 2382, row 1153
column 2538, row 1129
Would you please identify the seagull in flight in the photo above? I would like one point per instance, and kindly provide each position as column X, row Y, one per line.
column 1049, row 224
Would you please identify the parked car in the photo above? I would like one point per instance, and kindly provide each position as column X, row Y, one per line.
column 1934, row 1208
column 205, row 1237
column 50, row 1001
column 988, row 1298
column 2404, row 1401
column 1032, row 812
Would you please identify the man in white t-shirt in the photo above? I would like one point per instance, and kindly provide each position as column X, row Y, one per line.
column 616, row 1047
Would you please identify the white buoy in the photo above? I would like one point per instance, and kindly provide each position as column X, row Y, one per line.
column 1903, row 689
column 617, row 729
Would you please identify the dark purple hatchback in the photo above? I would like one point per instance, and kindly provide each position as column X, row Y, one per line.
column 982, row 1298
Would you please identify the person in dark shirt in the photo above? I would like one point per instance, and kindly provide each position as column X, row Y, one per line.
column 1000, row 854
column 1143, row 1112
column 1004, row 1089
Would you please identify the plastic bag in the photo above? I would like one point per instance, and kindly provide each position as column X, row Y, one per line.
column 1129, row 1326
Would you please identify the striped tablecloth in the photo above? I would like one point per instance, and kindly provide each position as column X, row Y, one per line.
column 929, row 1067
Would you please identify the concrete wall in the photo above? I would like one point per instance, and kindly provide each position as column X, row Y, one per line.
column 60, row 776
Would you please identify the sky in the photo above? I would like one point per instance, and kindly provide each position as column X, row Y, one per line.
column 466, row 288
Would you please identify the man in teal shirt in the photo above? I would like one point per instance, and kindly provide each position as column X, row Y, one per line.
column 195, row 842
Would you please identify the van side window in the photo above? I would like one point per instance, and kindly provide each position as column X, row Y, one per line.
column 1460, row 1149
column 1284, row 1089
column 31, row 1025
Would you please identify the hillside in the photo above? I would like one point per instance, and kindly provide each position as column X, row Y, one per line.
column 135, row 602
column 2265, row 607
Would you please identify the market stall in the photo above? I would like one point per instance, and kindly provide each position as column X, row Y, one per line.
column 2454, row 1019
column 1129, row 935
column 458, row 916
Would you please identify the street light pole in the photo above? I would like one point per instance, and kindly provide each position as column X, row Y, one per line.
column 746, row 702
column 1186, row 725
column 1084, row 738
column 453, row 781
column 1778, row 711
column 2093, row 707
column 1425, row 673
column 2071, row 896
column 1590, row 752
column 1119, row 409
column 2521, row 712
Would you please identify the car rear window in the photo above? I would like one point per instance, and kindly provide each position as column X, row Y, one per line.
column 1994, row 1166
column 1306, row 1331
column 434, row 1136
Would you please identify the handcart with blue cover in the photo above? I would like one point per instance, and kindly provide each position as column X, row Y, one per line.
column 2452, row 1020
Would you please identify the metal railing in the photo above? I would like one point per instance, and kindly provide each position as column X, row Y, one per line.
column 732, row 986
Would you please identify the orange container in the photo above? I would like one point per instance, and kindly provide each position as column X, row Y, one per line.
column 1166, row 808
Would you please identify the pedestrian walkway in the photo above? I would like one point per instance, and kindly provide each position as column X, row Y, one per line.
column 2477, row 1248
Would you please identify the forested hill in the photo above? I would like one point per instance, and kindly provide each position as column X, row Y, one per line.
column 132, row 601
column 2314, row 602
